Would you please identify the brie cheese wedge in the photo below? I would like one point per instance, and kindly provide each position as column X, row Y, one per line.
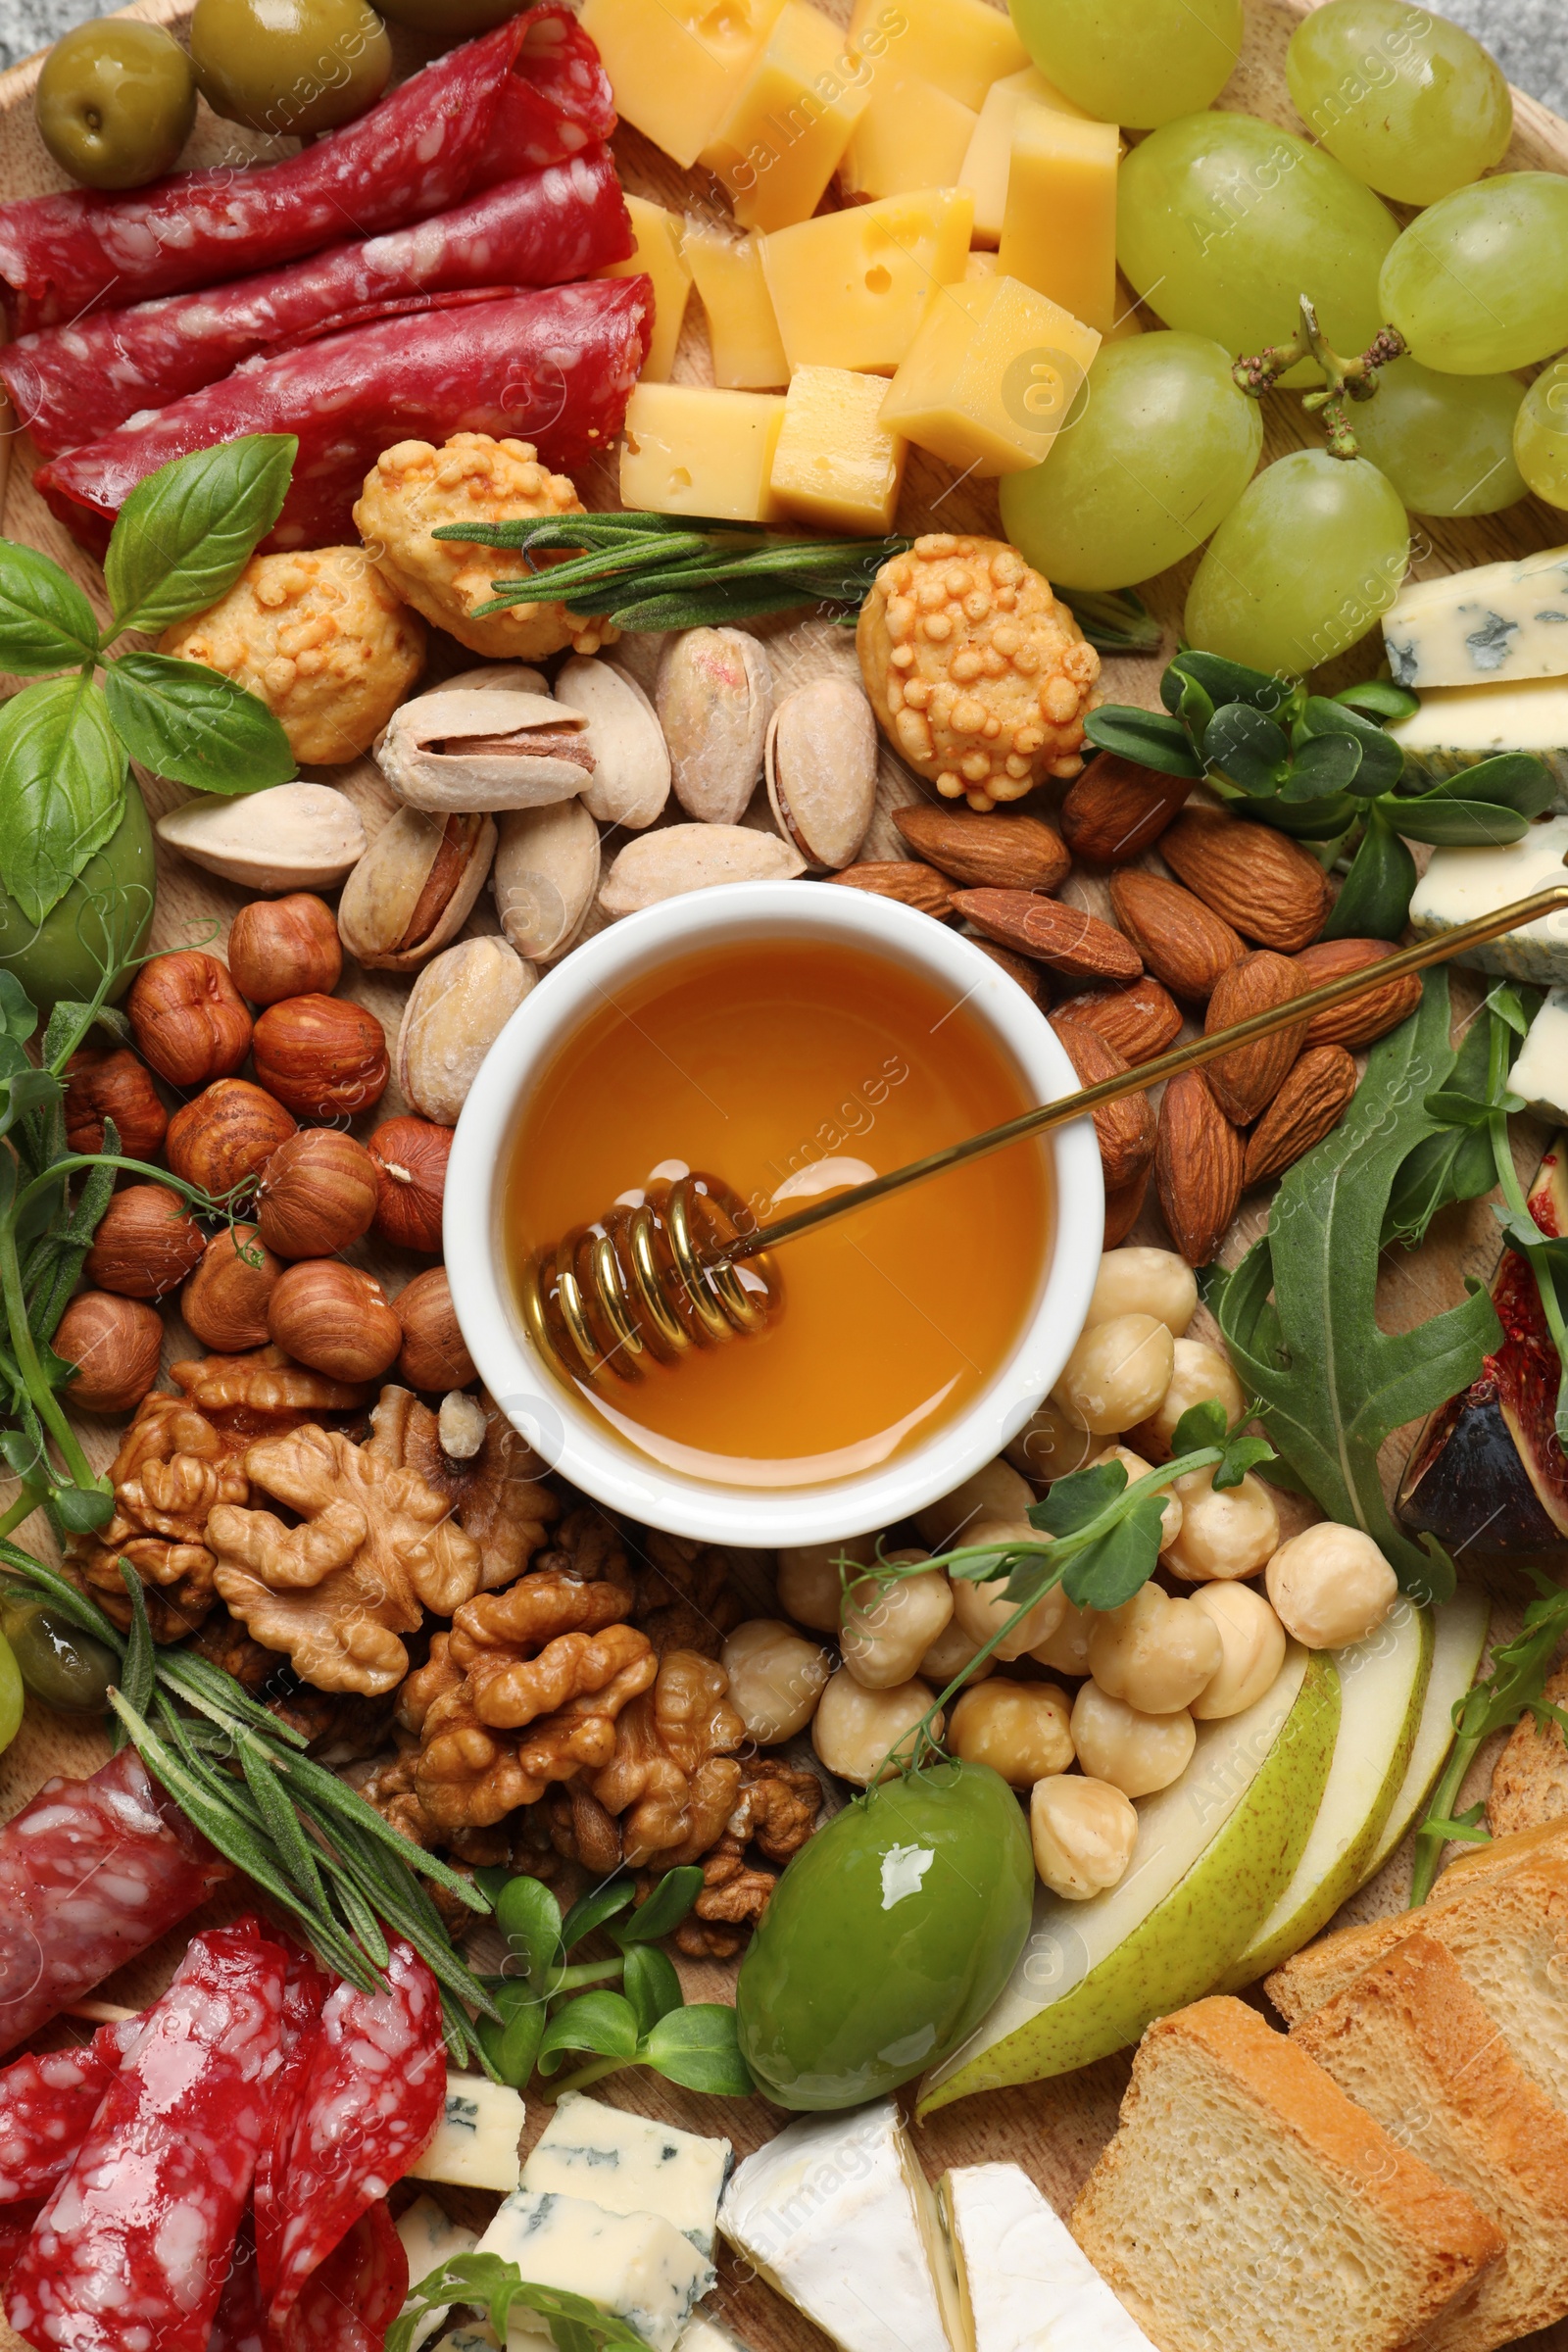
column 1024, row 2285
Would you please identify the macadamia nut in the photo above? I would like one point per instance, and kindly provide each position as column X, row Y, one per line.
column 889, row 1627
column 864, row 1736
column 1137, row 1753
column 1226, row 1533
column 1145, row 1282
column 1198, row 1372
column 1154, row 1653
column 1331, row 1585
column 1253, row 1641
column 811, row 1588
column 979, row 1609
column 1067, row 1650
column 1170, row 1517
column 1050, row 1444
column 775, row 1679
column 995, row 1492
column 950, row 1653
column 1083, row 1833
column 1117, row 1373
column 1019, row 1728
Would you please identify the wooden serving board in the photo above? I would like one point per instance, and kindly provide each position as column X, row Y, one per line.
column 1056, row 2129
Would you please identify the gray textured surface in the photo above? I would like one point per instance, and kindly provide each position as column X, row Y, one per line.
column 1529, row 37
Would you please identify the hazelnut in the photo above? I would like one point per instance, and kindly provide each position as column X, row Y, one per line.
column 318, row 1195
column 146, row 1243
column 321, row 1057
column 102, row 1085
column 115, row 1344
column 285, row 948
column 411, row 1165
column 433, row 1354
column 226, row 1136
column 225, row 1301
column 333, row 1318
column 188, row 1018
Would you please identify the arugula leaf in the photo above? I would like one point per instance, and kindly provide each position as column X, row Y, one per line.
column 45, row 621
column 1455, row 1163
column 186, row 533
column 65, row 788
column 697, row 2047
column 184, row 720
column 1299, row 1314
column 494, row 2286
column 1119, row 1563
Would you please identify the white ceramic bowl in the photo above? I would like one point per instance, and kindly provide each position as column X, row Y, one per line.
column 577, row 1441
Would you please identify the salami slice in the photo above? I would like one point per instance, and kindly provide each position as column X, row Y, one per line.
column 305, row 1996
column 554, row 368
column 374, row 2091
column 351, row 2299
column 417, row 153
column 239, row 2323
column 74, row 385
column 91, row 1872
column 15, row 2227
column 47, row 2105
column 133, row 2248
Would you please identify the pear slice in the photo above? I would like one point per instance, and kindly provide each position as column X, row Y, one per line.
column 1458, row 1640
column 1214, row 1851
column 1383, row 1683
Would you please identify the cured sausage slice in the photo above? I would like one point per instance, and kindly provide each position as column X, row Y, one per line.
column 351, row 2300
column 74, row 385
column 554, row 368
column 91, row 1872
column 556, row 102
column 47, row 2105
column 305, row 1991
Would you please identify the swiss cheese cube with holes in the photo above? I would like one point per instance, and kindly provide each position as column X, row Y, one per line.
column 851, row 289
column 990, row 376
column 691, row 450
column 677, row 65
column 837, row 466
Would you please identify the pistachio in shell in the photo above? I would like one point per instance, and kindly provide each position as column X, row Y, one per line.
column 680, row 857
column 546, row 873
column 467, row 749
column 456, row 1009
column 714, row 696
column 630, row 782
column 822, row 764
column 414, row 887
column 290, row 837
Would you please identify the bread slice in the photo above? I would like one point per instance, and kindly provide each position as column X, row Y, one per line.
column 1247, row 2205
column 1411, row 2045
column 1508, row 1935
column 1529, row 1784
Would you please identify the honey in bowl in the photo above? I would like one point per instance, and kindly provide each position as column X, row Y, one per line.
column 784, row 1067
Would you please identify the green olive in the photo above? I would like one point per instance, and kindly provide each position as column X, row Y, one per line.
column 105, row 915
column 61, row 1665
column 290, row 67
column 115, row 103
column 459, row 18
column 12, row 1698
column 888, row 1938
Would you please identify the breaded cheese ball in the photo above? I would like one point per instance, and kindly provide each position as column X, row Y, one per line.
column 415, row 490
column 321, row 638
column 979, row 678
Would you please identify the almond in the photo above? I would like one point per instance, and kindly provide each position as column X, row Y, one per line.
column 1077, row 945
column 1116, row 809
column 1265, row 884
column 1182, row 943
column 1307, row 1105
column 1030, row 978
column 918, row 886
column 1363, row 1019
column 1197, row 1167
column 1140, row 1020
column 1125, row 1129
column 989, row 852
column 1245, row 1082
column 1124, row 1209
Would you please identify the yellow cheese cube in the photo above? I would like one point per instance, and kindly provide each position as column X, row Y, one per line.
column 851, row 288
column 835, row 465
column 963, row 46
column 1059, row 231
column 785, row 135
column 981, row 265
column 677, row 65
column 911, row 136
column 659, row 236
column 742, row 331
column 988, row 159
column 991, row 376
column 693, row 450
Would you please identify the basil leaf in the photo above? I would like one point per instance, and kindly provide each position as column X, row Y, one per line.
column 529, row 1916
column 45, row 621
column 1453, row 824
column 186, row 533
column 64, row 771
column 650, row 1985
column 1375, row 902
column 601, row 2021
column 1246, row 747
column 1121, row 1561
column 1073, row 1501
column 189, row 722
column 697, row 2048
column 1144, row 737
column 664, row 1908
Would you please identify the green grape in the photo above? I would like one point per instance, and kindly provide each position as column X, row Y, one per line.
column 1301, row 567
column 1137, row 62
column 1156, row 449
column 1224, row 222
column 1445, row 442
column 1480, row 282
column 1541, row 436
column 1409, row 101
column 12, row 1698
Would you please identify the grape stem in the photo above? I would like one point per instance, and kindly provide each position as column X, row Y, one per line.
column 1345, row 380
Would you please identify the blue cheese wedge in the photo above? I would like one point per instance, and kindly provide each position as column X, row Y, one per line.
column 475, row 2145
column 1498, row 621
column 1457, row 726
column 1461, row 884
column 431, row 2239
column 635, row 2266
column 1540, row 1074
column 630, row 2165
column 838, row 2217
column 1024, row 2285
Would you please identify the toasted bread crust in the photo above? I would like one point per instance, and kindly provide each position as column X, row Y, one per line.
column 1529, row 1784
